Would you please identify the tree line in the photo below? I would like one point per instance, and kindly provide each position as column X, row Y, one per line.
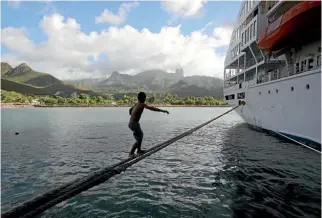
column 84, row 99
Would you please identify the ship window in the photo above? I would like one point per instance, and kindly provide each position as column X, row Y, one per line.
column 292, row 88
column 269, row 91
column 255, row 12
column 276, row 90
column 307, row 86
column 254, row 30
column 303, row 66
column 242, row 39
column 274, row 75
column 251, row 31
column 259, row 93
column 230, row 97
column 297, row 68
column 318, row 61
column 245, row 37
column 241, row 95
column 310, row 63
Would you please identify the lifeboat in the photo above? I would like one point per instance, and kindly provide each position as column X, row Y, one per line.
column 298, row 24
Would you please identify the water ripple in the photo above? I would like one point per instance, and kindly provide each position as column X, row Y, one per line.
column 222, row 170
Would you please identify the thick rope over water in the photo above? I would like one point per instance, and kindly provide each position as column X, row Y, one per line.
column 42, row 203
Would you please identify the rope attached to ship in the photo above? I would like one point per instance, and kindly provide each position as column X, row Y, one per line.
column 42, row 203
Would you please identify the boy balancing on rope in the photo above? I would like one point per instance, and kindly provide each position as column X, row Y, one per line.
column 135, row 113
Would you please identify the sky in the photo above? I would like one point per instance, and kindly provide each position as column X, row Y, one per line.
column 84, row 39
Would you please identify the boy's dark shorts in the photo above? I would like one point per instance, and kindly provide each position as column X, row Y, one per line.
column 137, row 131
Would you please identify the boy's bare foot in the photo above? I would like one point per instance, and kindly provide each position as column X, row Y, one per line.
column 141, row 152
column 132, row 155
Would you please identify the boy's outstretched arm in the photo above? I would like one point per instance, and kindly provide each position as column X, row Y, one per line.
column 155, row 109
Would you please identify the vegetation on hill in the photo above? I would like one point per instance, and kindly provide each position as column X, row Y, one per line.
column 25, row 80
column 54, row 89
column 24, row 74
column 84, row 99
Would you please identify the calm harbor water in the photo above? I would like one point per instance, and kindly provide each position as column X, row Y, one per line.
column 223, row 170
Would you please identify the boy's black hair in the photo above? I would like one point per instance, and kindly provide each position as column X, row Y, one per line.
column 141, row 97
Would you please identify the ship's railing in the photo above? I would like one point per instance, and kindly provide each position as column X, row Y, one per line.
column 228, row 84
column 287, row 71
column 249, row 33
column 232, row 73
column 252, row 62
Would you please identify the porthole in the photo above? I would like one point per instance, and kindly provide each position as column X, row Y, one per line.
column 292, row 88
column 269, row 91
column 307, row 86
column 276, row 90
column 259, row 93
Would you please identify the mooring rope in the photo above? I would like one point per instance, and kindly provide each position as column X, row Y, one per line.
column 41, row 203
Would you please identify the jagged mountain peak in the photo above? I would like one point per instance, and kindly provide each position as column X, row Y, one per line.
column 5, row 68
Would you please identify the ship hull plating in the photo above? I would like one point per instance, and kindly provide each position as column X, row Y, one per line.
column 291, row 106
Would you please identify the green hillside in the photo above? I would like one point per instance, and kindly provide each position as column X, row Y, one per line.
column 25, row 80
column 24, row 74
column 54, row 89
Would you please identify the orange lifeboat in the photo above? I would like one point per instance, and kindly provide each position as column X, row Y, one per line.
column 299, row 23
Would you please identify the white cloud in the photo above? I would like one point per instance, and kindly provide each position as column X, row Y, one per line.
column 71, row 53
column 186, row 8
column 14, row 3
column 116, row 19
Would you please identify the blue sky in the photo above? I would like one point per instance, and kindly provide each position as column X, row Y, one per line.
column 150, row 15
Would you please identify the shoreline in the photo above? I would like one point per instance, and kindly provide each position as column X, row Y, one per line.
column 17, row 105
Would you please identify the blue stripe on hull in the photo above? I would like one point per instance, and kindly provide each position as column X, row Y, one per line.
column 308, row 142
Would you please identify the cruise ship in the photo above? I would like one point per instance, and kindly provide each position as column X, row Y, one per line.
column 273, row 64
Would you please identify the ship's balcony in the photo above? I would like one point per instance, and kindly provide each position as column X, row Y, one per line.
column 249, row 34
column 311, row 64
column 230, row 73
column 235, row 67
column 252, row 62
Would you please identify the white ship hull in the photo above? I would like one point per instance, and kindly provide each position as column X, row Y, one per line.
column 296, row 113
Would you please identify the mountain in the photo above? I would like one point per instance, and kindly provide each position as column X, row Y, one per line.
column 5, row 68
column 25, row 80
column 158, row 80
column 54, row 89
column 152, row 79
column 85, row 83
column 185, row 89
column 24, row 74
column 204, row 81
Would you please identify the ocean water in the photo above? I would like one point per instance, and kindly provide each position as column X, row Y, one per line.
column 222, row 170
